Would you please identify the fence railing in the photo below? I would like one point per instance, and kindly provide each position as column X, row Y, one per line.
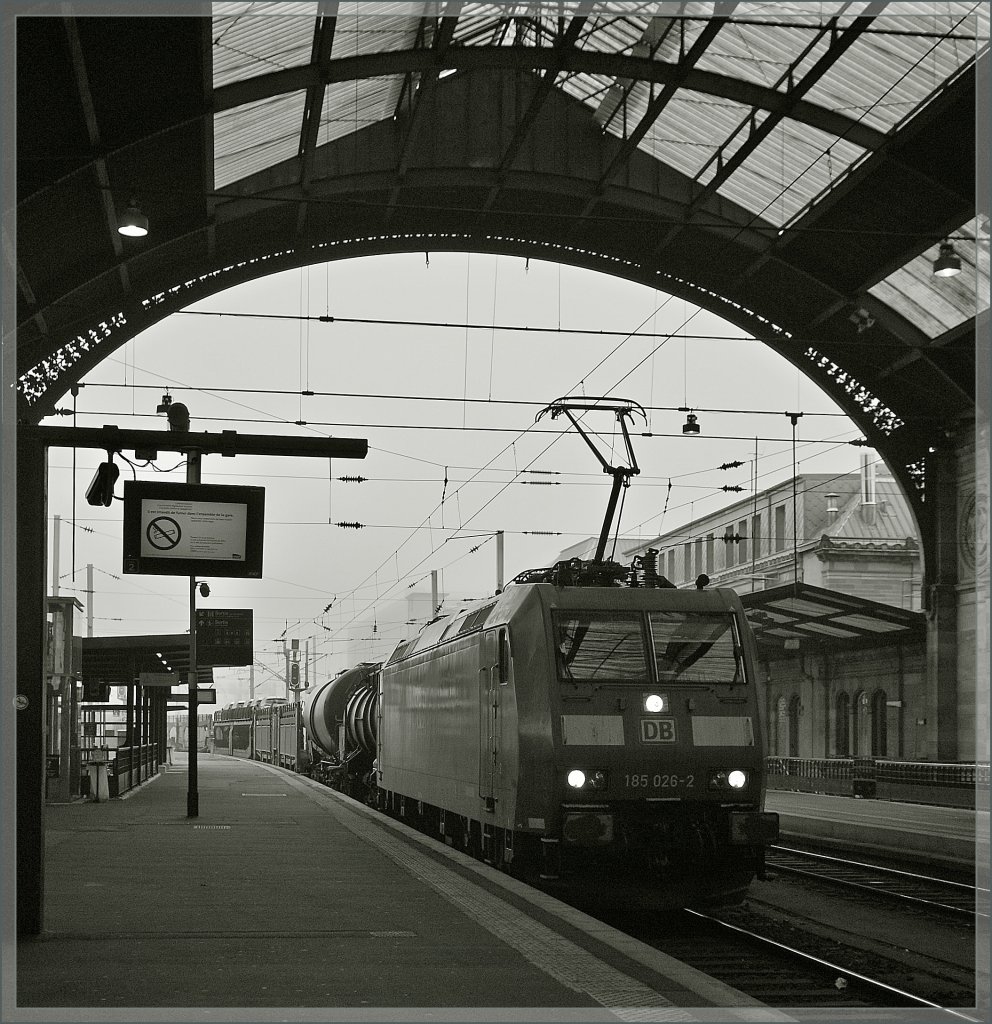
column 131, row 766
column 924, row 782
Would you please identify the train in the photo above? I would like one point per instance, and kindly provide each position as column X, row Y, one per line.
column 591, row 728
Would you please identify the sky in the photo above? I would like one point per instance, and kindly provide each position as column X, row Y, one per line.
column 456, row 449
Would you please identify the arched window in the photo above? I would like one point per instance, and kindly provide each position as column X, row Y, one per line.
column 879, row 725
column 794, row 726
column 781, row 727
column 862, row 725
column 842, row 731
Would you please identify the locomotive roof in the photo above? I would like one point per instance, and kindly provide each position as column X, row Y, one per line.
column 500, row 609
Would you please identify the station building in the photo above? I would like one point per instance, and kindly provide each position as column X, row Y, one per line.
column 829, row 569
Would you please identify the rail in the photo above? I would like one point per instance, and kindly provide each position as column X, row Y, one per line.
column 922, row 782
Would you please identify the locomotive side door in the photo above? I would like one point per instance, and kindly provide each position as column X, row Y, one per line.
column 489, row 716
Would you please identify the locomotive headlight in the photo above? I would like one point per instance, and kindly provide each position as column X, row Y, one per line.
column 578, row 779
column 655, row 702
column 725, row 778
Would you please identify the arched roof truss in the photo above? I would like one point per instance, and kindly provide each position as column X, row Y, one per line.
column 793, row 167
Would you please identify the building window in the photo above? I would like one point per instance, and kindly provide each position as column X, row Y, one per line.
column 728, row 543
column 742, row 555
column 699, row 555
column 671, row 564
column 780, row 528
column 710, row 555
column 862, row 725
column 879, row 724
column 842, row 736
column 687, row 555
column 756, row 535
column 794, row 726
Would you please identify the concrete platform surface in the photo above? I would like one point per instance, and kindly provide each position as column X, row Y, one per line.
column 285, row 901
column 952, row 836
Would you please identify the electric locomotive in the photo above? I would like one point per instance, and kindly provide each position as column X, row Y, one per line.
column 590, row 728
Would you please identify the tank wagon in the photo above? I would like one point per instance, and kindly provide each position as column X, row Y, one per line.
column 577, row 731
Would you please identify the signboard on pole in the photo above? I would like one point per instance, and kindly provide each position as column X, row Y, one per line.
column 175, row 529
column 224, row 636
column 169, row 679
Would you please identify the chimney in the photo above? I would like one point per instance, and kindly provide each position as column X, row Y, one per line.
column 868, row 488
column 832, row 508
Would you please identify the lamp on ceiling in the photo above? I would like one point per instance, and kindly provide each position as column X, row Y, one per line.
column 134, row 223
column 690, row 426
column 948, row 263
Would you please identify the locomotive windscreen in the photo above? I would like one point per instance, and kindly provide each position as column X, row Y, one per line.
column 601, row 645
column 699, row 647
column 689, row 647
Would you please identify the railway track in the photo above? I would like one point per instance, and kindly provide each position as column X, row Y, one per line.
column 787, row 967
column 941, row 894
column 782, row 975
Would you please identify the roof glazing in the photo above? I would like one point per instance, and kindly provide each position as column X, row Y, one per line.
column 892, row 65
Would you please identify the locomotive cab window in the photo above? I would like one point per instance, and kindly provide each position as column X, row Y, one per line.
column 601, row 647
column 696, row 647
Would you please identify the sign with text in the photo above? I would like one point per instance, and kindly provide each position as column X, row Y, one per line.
column 175, row 529
column 224, row 636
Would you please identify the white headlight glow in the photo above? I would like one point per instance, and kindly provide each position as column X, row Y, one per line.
column 576, row 778
column 737, row 779
column 654, row 703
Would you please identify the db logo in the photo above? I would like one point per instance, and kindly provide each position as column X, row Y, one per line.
column 657, row 730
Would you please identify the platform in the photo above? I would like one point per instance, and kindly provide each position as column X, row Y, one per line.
column 953, row 837
column 282, row 894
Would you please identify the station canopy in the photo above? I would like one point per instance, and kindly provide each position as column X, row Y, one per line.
column 120, row 660
column 804, row 618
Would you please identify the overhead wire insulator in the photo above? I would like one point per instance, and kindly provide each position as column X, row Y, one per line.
column 732, row 465
column 351, row 526
column 731, row 487
column 353, row 479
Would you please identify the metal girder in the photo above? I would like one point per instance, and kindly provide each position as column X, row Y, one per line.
column 658, row 104
column 523, row 58
column 657, row 31
column 567, row 41
column 838, row 46
column 320, row 55
column 426, row 89
column 99, row 164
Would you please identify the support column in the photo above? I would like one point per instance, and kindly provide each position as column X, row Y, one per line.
column 941, row 704
column 29, row 689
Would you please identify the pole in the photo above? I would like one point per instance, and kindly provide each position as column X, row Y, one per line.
column 251, row 682
column 434, row 601
column 192, row 790
column 499, row 561
column 754, row 519
column 794, row 416
column 285, row 653
column 55, row 557
column 89, row 599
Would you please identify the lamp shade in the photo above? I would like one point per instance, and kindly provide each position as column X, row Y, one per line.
column 948, row 263
column 133, row 223
column 690, row 426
